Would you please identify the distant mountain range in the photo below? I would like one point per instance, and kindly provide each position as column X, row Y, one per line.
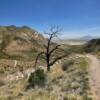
column 87, row 38
column 84, row 38
column 92, row 46
column 76, row 41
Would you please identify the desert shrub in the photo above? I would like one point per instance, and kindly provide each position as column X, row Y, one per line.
column 66, row 65
column 85, row 97
column 2, row 83
column 37, row 78
column 70, row 97
column 75, row 85
column 2, row 71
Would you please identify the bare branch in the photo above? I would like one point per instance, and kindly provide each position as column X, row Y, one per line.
column 56, row 59
column 38, row 58
column 51, row 47
column 45, row 46
column 55, row 48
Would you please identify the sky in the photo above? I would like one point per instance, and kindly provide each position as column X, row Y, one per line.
column 76, row 17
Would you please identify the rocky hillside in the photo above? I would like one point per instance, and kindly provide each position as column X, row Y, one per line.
column 93, row 45
column 20, row 41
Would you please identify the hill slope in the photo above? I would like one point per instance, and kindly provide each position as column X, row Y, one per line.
column 93, row 45
column 20, row 41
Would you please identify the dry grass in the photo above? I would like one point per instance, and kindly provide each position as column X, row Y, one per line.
column 60, row 84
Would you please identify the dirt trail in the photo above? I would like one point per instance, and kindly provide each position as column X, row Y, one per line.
column 94, row 72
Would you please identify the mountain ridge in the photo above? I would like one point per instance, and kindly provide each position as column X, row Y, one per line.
column 16, row 40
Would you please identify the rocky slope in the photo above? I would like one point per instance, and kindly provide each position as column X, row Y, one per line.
column 20, row 41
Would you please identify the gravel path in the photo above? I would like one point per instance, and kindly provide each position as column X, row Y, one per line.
column 94, row 72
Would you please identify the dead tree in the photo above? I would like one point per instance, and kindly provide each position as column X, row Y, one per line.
column 52, row 51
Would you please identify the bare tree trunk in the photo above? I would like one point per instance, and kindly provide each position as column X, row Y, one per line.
column 48, row 59
column 48, row 67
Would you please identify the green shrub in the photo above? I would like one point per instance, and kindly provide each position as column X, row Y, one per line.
column 70, row 97
column 66, row 65
column 37, row 78
column 85, row 97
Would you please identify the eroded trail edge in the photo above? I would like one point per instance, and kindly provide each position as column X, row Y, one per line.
column 94, row 74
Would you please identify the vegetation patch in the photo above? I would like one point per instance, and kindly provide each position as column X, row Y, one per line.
column 77, row 85
column 37, row 78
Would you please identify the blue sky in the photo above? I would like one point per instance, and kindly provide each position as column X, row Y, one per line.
column 76, row 17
